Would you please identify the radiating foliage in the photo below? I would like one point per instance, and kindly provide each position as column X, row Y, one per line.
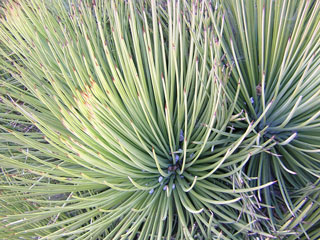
column 159, row 119
column 276, row 55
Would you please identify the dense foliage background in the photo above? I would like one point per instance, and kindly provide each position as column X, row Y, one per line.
column 159, row 119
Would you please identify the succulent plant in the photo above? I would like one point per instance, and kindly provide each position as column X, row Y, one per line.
column 159, row 119
column 276, row 56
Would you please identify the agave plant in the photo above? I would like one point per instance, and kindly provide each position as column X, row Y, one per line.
column 149, row 130
column 274, row 47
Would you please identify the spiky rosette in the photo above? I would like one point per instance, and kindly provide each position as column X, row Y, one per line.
column 276, row 56
column 134, row 103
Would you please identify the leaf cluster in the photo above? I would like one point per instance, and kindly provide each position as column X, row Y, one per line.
column 160, row 119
